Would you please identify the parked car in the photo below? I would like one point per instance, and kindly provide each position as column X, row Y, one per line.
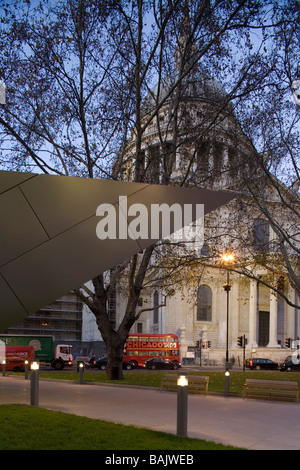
column 288, row 365
column 161, row 363
column 258, row 363
column 102, row 363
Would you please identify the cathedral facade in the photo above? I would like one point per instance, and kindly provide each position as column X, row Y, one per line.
column 198, row 137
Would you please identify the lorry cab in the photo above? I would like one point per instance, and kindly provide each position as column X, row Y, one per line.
column 45, row 350
column 63, row 352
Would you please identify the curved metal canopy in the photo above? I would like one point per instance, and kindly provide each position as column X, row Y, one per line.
column 48, row 242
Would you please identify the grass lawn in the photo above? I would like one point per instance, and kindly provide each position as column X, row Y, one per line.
column 31, row 428
column 153, row 379
column 35, row 428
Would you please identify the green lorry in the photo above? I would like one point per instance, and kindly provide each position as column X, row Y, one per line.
column 46, row 352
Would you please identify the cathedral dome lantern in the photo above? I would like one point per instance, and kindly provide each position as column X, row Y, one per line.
column 190, row 82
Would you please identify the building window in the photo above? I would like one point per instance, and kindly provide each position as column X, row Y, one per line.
column 203, row 158
column 217, row 151
column 233, row 162
column 261, row 234
column 205, row 251
column 153, row 163
column 204, row 303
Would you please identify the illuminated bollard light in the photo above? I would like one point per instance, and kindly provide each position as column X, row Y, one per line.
column 3, row 367
column 34, row 384
column 81, row 369
column 227, row 382
column 182, row 405
column 26, row 370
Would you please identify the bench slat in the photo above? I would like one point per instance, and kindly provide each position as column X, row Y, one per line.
column 271, row 389
column 273, row 382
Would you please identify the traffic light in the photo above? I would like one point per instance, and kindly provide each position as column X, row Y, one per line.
column 206, row 344
column 288, row 342
column 197, row 344
column 240, row 341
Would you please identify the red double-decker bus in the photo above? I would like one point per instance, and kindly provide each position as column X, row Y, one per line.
column 141, row 347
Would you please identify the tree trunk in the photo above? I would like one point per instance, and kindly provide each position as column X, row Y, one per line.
column 115, row 340
column 115, row 348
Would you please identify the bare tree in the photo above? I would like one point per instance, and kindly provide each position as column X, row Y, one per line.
column 80, row 100
column 272, row 121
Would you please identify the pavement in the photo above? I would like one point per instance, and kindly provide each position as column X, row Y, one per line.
column 251, row 424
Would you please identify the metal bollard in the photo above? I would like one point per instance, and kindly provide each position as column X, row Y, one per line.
column 227, row 383
column 3, row 368
column 182, row 405
column 26, row 370
column 34, row 384
column 81, row 370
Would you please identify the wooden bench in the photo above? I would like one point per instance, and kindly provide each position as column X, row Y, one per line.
column 196, row 383
column 271, row 390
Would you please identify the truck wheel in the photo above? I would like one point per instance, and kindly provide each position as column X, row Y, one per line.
column 58, row 365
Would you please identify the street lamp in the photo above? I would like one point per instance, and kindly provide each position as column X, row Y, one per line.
column 227, row 258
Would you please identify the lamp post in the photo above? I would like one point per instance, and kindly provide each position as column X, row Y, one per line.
column 227, row 258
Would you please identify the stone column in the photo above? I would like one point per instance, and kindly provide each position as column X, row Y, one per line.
column 183, row 342
column 221, row 318
column 234, row 314
column 273, row 342
column 291, row 329
column 252, row 343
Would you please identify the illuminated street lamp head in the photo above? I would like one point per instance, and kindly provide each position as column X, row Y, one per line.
column 182, row 381
column 228, row 257
column 35, row 366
